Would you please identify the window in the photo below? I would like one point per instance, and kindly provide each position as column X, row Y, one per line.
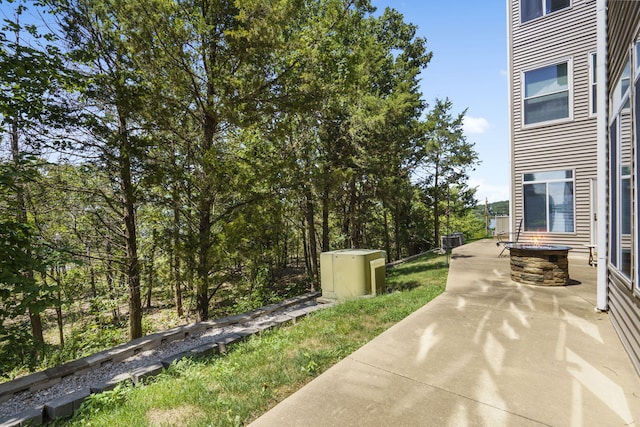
column 546, row 94
column 593, row 80
column 637, row 58
column 531, row 9
column 620, row 92
column 620, row 189
column 636, row 143
column 548, row 201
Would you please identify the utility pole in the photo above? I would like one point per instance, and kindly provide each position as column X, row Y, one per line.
column 486, row 216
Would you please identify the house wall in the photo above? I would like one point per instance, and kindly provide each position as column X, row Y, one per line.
column 624, row 302
column 565, row 34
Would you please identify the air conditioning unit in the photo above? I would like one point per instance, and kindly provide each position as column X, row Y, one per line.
column 351, row 273
column 452, row 240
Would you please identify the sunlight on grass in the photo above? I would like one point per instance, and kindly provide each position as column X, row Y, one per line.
column 255, row 375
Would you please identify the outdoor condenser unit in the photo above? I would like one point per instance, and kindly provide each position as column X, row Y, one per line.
column 351, row 273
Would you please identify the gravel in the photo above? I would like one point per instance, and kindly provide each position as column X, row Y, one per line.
column 29, row 400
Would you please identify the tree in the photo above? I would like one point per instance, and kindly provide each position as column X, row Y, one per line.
column 445, row 157
column 34, row 75
column 112, row 116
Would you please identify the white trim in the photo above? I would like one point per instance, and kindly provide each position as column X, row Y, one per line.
column 616, row 102
column 635, row 171
column 635, row 54
column 593, row 211
column 602, row 294
column 569, row 62
column 510, row 114
column 617, row 105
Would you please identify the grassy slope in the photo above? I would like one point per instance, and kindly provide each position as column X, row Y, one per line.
column 255, row 375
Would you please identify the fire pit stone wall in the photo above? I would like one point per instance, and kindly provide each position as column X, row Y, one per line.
column 546, row 266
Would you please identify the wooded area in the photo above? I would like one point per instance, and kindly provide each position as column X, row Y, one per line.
column 197, row 151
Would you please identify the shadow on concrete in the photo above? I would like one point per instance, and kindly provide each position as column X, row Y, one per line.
column 488, row 351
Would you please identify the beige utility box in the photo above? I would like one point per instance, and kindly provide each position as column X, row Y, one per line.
column 351, row 273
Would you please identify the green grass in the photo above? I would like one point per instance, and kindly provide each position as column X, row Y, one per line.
column 255, row 375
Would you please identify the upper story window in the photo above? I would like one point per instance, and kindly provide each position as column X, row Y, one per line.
column 546, row 94
column 531, row 9
column 620, row 96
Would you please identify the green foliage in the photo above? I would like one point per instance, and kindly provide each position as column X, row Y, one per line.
column 99, row 402
column 85, row 340
column 206, row 153
column 17, row 349
column 495, row 208
column 235, row 388
column 445, row 157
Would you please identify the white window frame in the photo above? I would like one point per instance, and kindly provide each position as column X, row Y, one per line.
column 620, row 102
column 569, row 62
column 547, row 182
column 544, row 10
column 618, row 95
column 593, row 84
column 635, row 171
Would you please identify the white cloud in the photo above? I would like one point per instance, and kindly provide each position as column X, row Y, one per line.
column 475, row 124
column 493, row 192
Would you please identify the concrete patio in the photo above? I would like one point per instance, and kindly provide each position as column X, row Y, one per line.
column 488, row 351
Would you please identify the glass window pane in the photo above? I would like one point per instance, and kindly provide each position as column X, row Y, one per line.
column 546, row 80
column 548, row 176
column 613, row 172
column 625, row 206
column 530, row 9
column 545, row 108
column 561, row 207
column 535, row 207
column 625, row 79
column 553, row 5
column 637, row 56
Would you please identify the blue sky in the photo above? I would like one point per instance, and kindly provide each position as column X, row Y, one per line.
column 468, row 39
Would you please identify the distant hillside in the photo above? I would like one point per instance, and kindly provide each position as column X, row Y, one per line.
column 495, row 208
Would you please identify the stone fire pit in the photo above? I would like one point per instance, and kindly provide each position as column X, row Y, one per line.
column 545, row 265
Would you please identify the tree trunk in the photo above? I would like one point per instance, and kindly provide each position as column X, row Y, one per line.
column 59, row 312
column 325, row 219
column 132, row 266
column 305, row 248
column 313, row 249
column 36, row 326
column 436, row 208
column 150, row 285
column 92, row 279
column 353, row 199
column 176, row 253
column 111, row 277
column 387, row 238
column 21, row 217
column 204, row 221
column 398, row 234
column 152, row 271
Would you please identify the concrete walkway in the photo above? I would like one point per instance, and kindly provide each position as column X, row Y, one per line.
column 486, row 352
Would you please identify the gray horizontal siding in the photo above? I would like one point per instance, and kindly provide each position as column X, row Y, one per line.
column 619, row 40
column 624, row 303
column 567, row 34
column 625, row 316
